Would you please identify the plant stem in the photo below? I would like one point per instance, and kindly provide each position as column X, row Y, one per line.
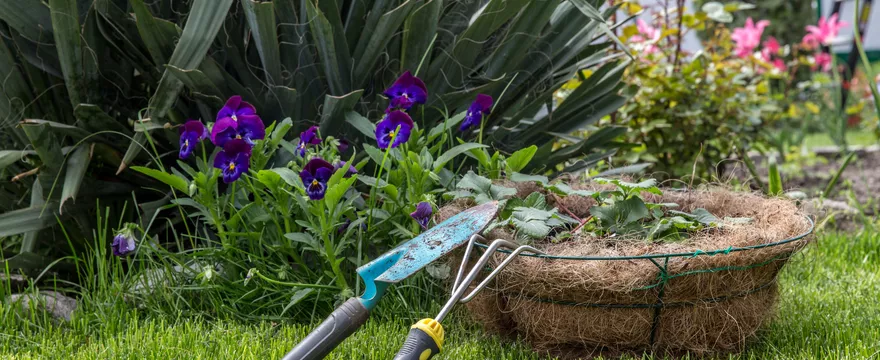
column 373, row 190
column 329, row 249
column 277, row 282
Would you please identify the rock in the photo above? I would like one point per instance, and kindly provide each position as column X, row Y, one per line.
column 15, row 281
column 59, row 305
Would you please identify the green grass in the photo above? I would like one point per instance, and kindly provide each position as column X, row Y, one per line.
column 829, row 310
column 853, row 138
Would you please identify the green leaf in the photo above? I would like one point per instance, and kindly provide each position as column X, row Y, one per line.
column 77, row 164
column 297, row 297
column 472, row 181
column 169, row 179
column 621, row 213
column 519, row 159
column 26, row 220
column 9, row 157
column 531, row 222
column 649, row 185
column 367, row 53
column 519, row 177
column 418, row 32
column 47, row 147
column 261, row 20
column 31, row 18
column 66, row 28
column 334, row 193
column 371, row 181
column 335, row 108
column 290, row 177
column 134, row 148
column 361, row 123
column 660, row 227
column 202, row 24
column 30, row 239
column 306, row 239
column 449, row 123
column 774, row 184
column 158, row 35
column 334, row 62
column 198, row 82
column 453, row 152
column 699, row 215
column 833, row 181
column 563, row 189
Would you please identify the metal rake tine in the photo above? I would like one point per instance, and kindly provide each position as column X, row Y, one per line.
column 498, row 269
column 462, row 287
column 465, row 260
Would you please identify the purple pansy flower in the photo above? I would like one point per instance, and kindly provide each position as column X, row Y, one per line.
column 406, row 91
column 235, row 109
column 343, row 146
column 234, row 160
column 388, row 133
column 475, row 113
column 306, row 138
column 248, row 128
column 314, row 176
column 349, row 172
column 423, row 214
column 191, row 133
column 123, row 243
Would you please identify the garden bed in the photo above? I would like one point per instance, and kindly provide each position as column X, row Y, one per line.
column 709, row 293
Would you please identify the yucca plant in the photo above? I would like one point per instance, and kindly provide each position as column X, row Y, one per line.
column 91, row 86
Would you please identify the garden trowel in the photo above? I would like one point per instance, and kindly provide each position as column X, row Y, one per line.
column 390, row 268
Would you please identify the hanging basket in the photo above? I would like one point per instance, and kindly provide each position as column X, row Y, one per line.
column 707, row 294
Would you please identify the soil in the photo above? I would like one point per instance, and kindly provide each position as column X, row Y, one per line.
column 862, row 176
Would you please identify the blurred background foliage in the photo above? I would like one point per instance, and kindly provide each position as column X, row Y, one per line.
column 785, row 16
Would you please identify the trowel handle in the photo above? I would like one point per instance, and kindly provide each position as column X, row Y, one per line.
column 336, row 328
column 424, row 341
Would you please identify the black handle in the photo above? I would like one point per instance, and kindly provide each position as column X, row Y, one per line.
column 419, row 344
column 337, row 327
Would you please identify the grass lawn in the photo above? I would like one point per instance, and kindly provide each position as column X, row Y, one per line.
column 829, row 310
column 853, row 138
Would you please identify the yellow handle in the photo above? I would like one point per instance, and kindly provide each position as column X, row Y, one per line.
column 424, row 341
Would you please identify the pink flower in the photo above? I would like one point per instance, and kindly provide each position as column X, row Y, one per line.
column 822, row 60
column 771, row 47
column 779, row 64
column 810, row 41
column 749, row 37
column 647, row 36
column 825, row 32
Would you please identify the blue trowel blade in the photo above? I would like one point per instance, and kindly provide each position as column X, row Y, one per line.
column 411, row 256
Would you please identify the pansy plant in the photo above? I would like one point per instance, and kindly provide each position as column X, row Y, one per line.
column 235, row 108
column 191, row 133
column 393, row 130
column 124, row 241
column 405, row 92
column 234, row 160
column 422, row 215
column 307, row 138
column 315, row 176
column 237, row 120
column 480, row 108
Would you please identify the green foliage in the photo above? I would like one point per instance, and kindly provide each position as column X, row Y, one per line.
column 119, row 76
column 689, row 114
column 624, row 212
column 774, row 184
